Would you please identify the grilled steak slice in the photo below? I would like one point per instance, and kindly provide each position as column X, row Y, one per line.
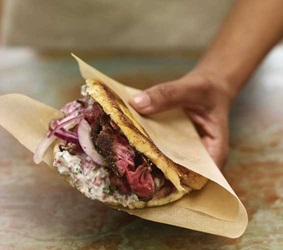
column 121, row 158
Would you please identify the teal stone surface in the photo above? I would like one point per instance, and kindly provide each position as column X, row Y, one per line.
column 40, row 211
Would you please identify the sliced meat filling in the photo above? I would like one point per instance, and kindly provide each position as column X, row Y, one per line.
column 130, row 171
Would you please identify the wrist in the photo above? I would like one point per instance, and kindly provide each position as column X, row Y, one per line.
column 215, row 90
column 223, row 77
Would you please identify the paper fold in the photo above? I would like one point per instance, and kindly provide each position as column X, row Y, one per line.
column 215, row 209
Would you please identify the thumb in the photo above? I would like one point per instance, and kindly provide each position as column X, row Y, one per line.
column 158, row 98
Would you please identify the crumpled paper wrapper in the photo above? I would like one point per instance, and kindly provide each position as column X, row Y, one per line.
column 215, row 209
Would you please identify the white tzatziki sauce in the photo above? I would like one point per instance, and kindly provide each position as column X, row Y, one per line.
column 91, row 180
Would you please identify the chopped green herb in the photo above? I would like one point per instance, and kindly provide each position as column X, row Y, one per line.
column 107, row 190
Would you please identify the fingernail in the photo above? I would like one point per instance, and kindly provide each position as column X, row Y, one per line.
column 142, row 100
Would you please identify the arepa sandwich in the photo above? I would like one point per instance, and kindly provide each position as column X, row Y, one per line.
column 105, row 153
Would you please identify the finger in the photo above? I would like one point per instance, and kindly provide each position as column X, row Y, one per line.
column 217, row 150
column 217, row 147
column 214, row 135
column 160, row 97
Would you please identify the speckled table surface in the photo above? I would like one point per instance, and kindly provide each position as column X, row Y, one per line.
column 38, row 210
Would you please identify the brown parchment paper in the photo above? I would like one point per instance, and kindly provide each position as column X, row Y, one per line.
column 215, row 209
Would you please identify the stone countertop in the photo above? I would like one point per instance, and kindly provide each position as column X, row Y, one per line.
column 38, row 210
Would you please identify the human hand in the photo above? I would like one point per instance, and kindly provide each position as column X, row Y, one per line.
column 205, row 100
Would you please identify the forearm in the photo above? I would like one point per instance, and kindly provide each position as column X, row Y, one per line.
column 251, row 29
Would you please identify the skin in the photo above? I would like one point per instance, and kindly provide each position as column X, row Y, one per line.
column 206, row 93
